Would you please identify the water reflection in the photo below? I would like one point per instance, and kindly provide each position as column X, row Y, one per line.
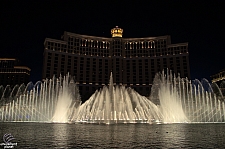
column 61, row 135
column 35, row 135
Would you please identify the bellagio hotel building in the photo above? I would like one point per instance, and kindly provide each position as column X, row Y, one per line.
column 132, row 61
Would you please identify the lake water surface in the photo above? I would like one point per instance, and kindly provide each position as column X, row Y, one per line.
column 48, row 135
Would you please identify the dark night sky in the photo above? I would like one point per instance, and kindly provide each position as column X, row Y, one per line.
column 24, row 25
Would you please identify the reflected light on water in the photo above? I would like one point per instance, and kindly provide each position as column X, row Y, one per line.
column 60, row 137
column 39, row 135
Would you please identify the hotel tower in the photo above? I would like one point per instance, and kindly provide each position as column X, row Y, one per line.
column 132, row 61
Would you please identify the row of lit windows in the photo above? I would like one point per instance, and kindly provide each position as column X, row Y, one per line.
column 11, row 70
column 56, row 46
column 145, row 44
column 88, row 43
column 155, row 52
column 140, row 45
column 118, row 51
column 131, row 53
column 106, row 44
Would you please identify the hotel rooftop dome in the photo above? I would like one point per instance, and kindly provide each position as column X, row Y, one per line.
column 117, row 32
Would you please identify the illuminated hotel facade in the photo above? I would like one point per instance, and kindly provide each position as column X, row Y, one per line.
column 11, row 73
column 219, row 79
column 133, row 61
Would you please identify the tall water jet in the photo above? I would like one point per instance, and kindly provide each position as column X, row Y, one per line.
column 68, row 101
column 53, row 100
column 170, row 99
column 117, row 104
column 181, row 100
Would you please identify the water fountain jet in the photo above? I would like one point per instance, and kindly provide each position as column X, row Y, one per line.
column 173, row 100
